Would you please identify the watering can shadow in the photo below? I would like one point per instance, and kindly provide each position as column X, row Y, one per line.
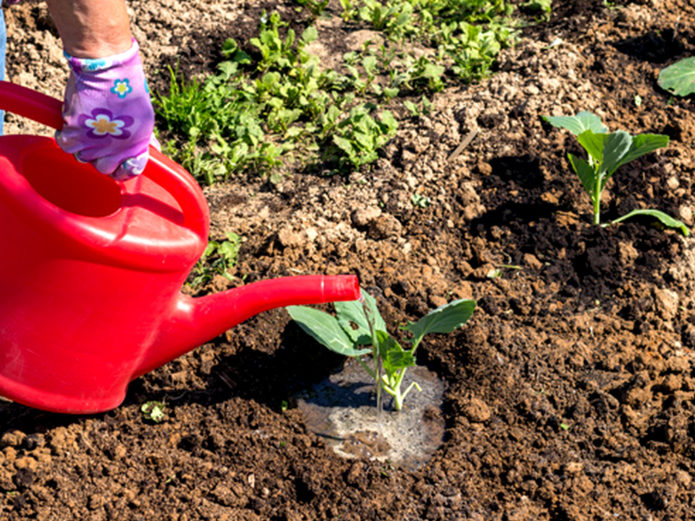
column 91, row 271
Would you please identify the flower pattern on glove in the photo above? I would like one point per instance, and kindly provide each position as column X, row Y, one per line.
column 102, row 123
column 122, row 88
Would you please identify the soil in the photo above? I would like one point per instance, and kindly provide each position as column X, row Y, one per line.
column 569, row 395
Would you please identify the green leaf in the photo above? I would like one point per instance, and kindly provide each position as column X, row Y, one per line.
column 344, row 144
column 393, row 356
column 230, row 251
column 390, row 92
column 390, row 122
column 615, row 147
column 412, row 108
column 593, row 143
column 352, row 312
column 153, row 411
column 324, row 328
column 664, row 218
column 585, row 172
column 679, row 78
column 309, row 35
column 444, row 319
column 643, row 144
column 579, row 123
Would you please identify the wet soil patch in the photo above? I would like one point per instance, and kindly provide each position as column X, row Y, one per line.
column 342, row 409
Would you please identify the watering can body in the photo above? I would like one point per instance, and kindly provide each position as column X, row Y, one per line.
column 91, row 271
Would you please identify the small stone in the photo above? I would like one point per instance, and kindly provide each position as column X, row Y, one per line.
column 437, row 301
column 26, row 462
column 10, row 453
column 119, row 452
column 464, row 290
column 686, row 214
column 672, row 182
column 532, row 261
column 683, row 478
column 12, row 439
column 289, row 238
column 477, row 411
column 627, row 253
column 363, row 216
column 484, row 168
column 667, row 302
column 385, row 226
column 574, row 467
column 550, row 198
column 58, row 439
column 311, row 234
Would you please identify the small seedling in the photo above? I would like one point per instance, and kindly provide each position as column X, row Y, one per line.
column 359, row 136
column 496, row 273
column 420, row 200
column 153, row 411
column 606, row 152
column 218, row 258
column 316, row 7
column 357, row 325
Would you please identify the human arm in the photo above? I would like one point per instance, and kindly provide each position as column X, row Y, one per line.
column 107, row 112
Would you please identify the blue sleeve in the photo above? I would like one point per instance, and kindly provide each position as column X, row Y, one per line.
column 3, row 46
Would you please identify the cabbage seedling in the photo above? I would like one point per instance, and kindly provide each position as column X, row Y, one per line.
column 606, row 152
column 356, row 326
column 153, row 411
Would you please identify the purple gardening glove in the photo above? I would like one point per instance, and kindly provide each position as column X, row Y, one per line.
column 108, row 114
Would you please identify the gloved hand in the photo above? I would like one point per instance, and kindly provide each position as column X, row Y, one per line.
column 107, row 113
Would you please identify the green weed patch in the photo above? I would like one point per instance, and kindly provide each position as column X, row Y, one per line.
column 271, row 106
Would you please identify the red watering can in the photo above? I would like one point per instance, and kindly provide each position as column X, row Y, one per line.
column 90, row 271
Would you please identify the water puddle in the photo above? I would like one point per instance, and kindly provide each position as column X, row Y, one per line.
column 342, row 410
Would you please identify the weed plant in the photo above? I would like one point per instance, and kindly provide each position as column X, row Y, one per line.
column 271, row 106
column 218, row 258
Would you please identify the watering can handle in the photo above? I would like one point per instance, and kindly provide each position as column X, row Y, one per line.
column 48, row 111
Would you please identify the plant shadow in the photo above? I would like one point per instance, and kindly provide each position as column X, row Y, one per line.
column 655, row 46
column 272, row 377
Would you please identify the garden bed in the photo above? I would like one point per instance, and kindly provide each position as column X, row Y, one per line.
column 569, row 394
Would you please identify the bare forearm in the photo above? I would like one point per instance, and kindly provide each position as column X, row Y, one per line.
column 92, row 28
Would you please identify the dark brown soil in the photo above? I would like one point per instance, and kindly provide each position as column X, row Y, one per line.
column 570, row 392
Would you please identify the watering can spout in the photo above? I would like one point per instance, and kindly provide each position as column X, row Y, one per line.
column 194, row 321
